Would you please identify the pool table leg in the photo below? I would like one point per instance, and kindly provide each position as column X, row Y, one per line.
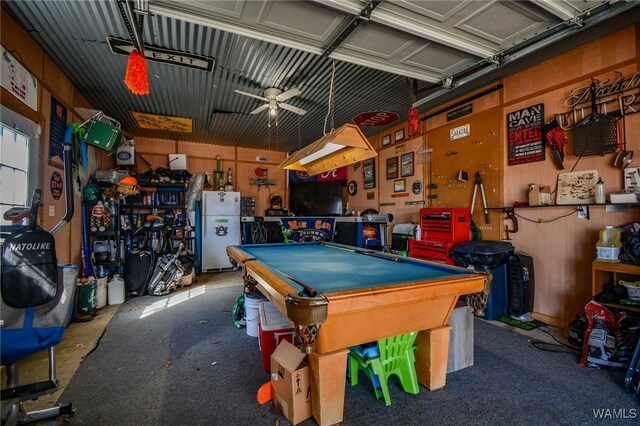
column 328, row 382
column 431, row 356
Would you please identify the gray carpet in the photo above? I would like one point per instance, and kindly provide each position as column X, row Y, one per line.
column 185, row 364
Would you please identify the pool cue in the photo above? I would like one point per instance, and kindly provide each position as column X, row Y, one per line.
column 371, row 253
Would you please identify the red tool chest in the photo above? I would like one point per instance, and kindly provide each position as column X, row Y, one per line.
column 441, row 229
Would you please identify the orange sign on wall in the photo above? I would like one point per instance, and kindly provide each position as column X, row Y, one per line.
column 163, row 122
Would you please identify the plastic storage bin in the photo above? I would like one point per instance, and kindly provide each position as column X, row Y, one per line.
column 489, row 256
column 273, row 328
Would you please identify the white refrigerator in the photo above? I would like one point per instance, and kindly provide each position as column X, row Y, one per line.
column 220, row 228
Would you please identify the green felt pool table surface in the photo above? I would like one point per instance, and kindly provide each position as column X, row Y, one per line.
column 329, row 267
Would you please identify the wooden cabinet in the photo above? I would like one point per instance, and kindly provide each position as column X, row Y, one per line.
column 609, row 273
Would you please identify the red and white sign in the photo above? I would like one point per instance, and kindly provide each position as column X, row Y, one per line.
column 336, row 174
column 375, row 118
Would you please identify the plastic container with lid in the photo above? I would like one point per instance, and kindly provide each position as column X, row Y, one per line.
column 608, row 247
column 274, row 327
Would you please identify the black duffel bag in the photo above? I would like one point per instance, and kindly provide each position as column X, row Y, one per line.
column 137, row 272
column 29, row 268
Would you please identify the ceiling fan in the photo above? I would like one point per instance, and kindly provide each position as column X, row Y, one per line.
column 274, row 99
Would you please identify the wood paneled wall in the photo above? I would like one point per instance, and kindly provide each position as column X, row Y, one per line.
column 562, row 245
column 201, row 158
column 51, row 82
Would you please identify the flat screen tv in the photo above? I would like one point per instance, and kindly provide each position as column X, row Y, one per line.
column 316, row 198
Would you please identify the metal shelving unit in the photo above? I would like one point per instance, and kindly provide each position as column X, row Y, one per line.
column 112, row 234
column 134, row 206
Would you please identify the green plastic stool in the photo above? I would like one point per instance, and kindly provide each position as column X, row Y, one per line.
column 394, row 356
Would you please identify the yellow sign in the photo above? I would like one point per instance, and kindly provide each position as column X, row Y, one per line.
column 163, row 122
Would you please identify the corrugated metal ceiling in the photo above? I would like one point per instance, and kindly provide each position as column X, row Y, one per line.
column 426, row 40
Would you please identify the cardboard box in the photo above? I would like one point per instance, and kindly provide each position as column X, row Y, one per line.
column 539, row 195
column 291, row 391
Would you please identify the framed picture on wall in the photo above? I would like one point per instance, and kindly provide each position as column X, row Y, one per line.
column 369, row 170
column 399, row 185
column 398, row 135
column 386, row 140
column 392, row 168
column 406, row 164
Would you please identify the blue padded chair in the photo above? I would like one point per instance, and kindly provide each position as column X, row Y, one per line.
column 25, row 332
column 381, row 360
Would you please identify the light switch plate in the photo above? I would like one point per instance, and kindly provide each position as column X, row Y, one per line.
column 52, row 211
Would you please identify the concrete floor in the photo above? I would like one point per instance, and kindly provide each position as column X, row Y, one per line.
column 81, row 338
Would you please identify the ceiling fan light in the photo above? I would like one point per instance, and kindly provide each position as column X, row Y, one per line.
column 272, row 111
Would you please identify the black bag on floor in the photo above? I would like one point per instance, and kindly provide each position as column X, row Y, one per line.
column 137, row 272
column 166, row 275
column 29, row 268
column 630, row 251
column 187, row 261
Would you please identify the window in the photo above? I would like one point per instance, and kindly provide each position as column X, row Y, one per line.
column 14, row 169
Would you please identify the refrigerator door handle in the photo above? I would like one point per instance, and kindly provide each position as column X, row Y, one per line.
column 204, row 204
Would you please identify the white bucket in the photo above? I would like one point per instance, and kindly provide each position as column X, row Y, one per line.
column 101, row 292
column 252, row 313
column 116, row 290
column 187, row 279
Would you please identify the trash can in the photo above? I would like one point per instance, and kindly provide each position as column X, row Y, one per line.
column 400, row 237
column 488, row 256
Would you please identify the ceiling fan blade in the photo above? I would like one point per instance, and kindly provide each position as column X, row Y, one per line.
column 291, row 93
column 292, row 108
column 259, row 109
column 240, row 92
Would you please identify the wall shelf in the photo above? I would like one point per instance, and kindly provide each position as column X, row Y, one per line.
column 156, row 206
column 601, row 272
column 584, row 208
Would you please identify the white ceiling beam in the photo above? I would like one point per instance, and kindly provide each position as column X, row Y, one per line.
column 402, row 70
column 383, row 16
column 353, row 7
column 556, row 7
column 232, row 27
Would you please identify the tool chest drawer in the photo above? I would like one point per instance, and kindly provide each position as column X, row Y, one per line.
column 430, row 250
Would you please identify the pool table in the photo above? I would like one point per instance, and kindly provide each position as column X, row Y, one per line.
column 339, row 296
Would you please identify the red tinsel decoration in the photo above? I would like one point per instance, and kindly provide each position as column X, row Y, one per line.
column 136, row 77
column 414, row 122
